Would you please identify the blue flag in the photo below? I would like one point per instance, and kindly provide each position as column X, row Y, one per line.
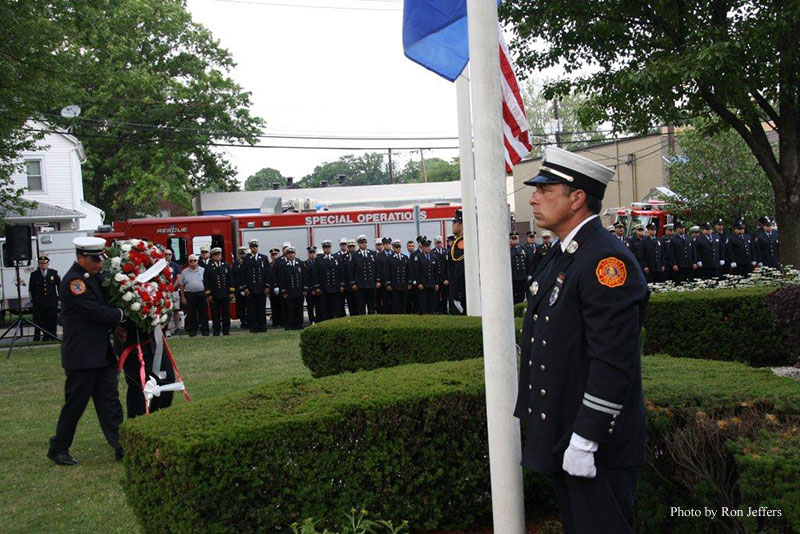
column 435, row 35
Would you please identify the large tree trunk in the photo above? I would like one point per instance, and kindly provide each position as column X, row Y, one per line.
column 787, row 215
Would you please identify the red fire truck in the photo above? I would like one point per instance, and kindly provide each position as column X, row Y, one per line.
column 185, row 235
column 641, row 213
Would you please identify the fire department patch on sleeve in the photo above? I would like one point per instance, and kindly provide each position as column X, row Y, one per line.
column 611, row 272
column 77, row 287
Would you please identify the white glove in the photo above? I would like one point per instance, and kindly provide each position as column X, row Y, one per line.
column 699, row 263
column 722, row 262
column 276, row 290
column 733, row 265
column 579, row 457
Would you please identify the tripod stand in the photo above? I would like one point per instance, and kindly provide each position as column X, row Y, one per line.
column 21, row 321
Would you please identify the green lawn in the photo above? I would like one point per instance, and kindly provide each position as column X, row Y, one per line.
column 40, row 496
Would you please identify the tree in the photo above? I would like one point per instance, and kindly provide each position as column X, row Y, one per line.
column 567, row 131
column 264, row 179
column 155, row 95
column 367, row 169
column 718, row 176
column 642, row 64
column 436, row 170
column 31, row 79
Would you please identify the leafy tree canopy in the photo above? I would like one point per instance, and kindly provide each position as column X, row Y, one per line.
column 643, row 64
column 718, row 176
column 264, row 179
column 567, row 132
column 367, row 169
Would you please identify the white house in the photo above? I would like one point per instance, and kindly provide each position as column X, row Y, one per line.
column 52, row 177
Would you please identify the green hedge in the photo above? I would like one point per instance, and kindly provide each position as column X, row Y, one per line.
column 721, row 324
column 376, row 341
column 407, row 442
column 717, row 324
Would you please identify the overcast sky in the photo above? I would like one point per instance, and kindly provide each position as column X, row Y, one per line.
column 335, row 68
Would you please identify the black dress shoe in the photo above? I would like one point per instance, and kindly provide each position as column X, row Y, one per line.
column 61, row 458
column 118, row 454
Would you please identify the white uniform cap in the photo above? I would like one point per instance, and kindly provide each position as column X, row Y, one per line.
column 216, row 250
column 561, row 166
column 343, row 241
column 205, row 248
column 287, row 244
column 547, row 233
column 378, row 241
column 351, row 242
column 362, row 237
column 327, row 243
column 253, row 242
column 90, row 246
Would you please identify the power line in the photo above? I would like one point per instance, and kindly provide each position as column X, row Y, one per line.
column 282, row 4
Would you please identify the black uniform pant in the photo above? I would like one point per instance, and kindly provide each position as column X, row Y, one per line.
column 742, row 270
column 365, row 301
column 519, row 290
column 707, row 273
column 653, row 277
column 241, row 309
column 312, row 307
column 221, row 315
column 196, row 314
column 426, row 301
column 47, row 318
column 603, row 504
column 257, row 311
column 135, row 396
column 380, row 298
column 681, row 275
column 328, row 306
column 352, row 303
column 397, row 301
column 101, row 386
column 412, row 302
column 444, row 299
column 276, row 309
column 294, row 312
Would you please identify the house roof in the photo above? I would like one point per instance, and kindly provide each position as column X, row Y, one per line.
column 42, row 212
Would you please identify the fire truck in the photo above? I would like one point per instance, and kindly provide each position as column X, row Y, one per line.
column 185, row 235
column 641, row 213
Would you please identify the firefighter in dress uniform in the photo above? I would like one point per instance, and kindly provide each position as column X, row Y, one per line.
column 364, row 278
column 294, row 288
column 328, row 283
column 342, row 255
column 580, row 384
column 682, row 255
column 43, row 288
column 349, row 293
column 219, row 291
column 456, row 279
column 312, row 300
column 398, row 278
column 708, row 252
column 519, row 268
column 651, row 255
column 255, row 286
column 238, row 280
column 426, row 272
column 739, row 251
column 86, row 353
column 766, row 247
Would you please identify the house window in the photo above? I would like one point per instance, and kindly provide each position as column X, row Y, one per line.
column 33, row 168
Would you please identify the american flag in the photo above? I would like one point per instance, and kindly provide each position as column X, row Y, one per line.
column 516, row 138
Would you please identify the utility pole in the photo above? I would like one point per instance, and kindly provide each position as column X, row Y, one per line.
column 391, row 171
column 422, row 164
column 558, row 123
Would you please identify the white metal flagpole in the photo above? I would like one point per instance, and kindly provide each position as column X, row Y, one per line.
column 467, row 165
column 500, row 362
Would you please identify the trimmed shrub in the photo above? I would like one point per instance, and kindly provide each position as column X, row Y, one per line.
column 407, row 443
column 376, row 341
column 769, row 468
column 784, row 304
column 721, row 324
